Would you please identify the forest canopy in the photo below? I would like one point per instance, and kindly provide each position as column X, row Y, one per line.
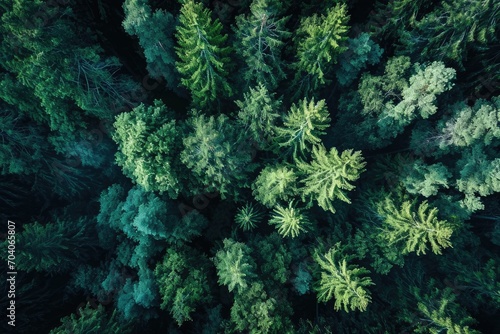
column 250, row 166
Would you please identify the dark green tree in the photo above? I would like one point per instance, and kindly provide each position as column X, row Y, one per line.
column 155, row 31
column 182, row 278
column 261, row 36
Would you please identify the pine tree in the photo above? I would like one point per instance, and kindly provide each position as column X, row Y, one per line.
column 258, row 114
column 343, row 281
column 248, row 217
column 182, row 281
column 302, row 126
column 414, row 231
column 274, row 184
column 235, row 267
column 261, row 36
column 329, row 175
column 203, row 58
column 155, row 32
column 148, row 146
column 289, row 221
column 320, row 41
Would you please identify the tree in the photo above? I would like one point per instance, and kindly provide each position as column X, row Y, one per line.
column 217, row 155
column 182, row 281
column 261, row 36
column 148, row 146
column 471, row 125
column 155, row 32
column 329, row 175
column 55, row 247
column 91, row 321
column 274, row 184
column 453, row 30
column 302, row 126
column 414, row 231
column 290, row 221
column 258, row 114
column 346, row 282
column 362, row 51
column 248, row 217
column 320, row 42
column 235, row 267
column 203, row 58
column 255, row 312
column 62, row 69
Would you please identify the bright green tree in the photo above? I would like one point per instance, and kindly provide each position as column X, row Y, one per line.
column 274, row 184
column 261, row 36
column 148, row 146
column 321, row 40
column 203, row 58
column 248, row 217
column 302, row 126
column 329, row 176
column 155, row 32
column 414, row 229
column 290, row 221
column 182, row 281
column 235, row 267
column 346, row 282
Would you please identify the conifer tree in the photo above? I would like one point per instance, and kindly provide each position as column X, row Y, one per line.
column 155, row 32
column 345, row 282
column 55, row 247
column 217, row 155
column 329, row 175
column 261, row 36
column 321, row 40
column 248, row 217
column 274, row 184
column 182, row 281
column 414, row 229
column 362, row 51
column 203, row 58
column 148, row 146
column 290, row 221
column 91, row 321
column 258, row 114
column 302, row 126
column 235, row 267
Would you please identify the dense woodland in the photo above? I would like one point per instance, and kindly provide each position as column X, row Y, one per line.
column 244, row 166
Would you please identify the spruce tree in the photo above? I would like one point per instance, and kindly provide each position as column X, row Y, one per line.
column 321, row 40
column 290, row 221
column 302, row 126
column 274, row 184
column 203, row 56
column 344, row 281
column 329, row 175
column 261, row 36
column 414, row 229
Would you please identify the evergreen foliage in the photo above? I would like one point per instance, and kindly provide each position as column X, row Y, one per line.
column 203, row 57
column 261, row 36
column 328, row 176
column 345, row 282
column 290, row 221
column 274, row 184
